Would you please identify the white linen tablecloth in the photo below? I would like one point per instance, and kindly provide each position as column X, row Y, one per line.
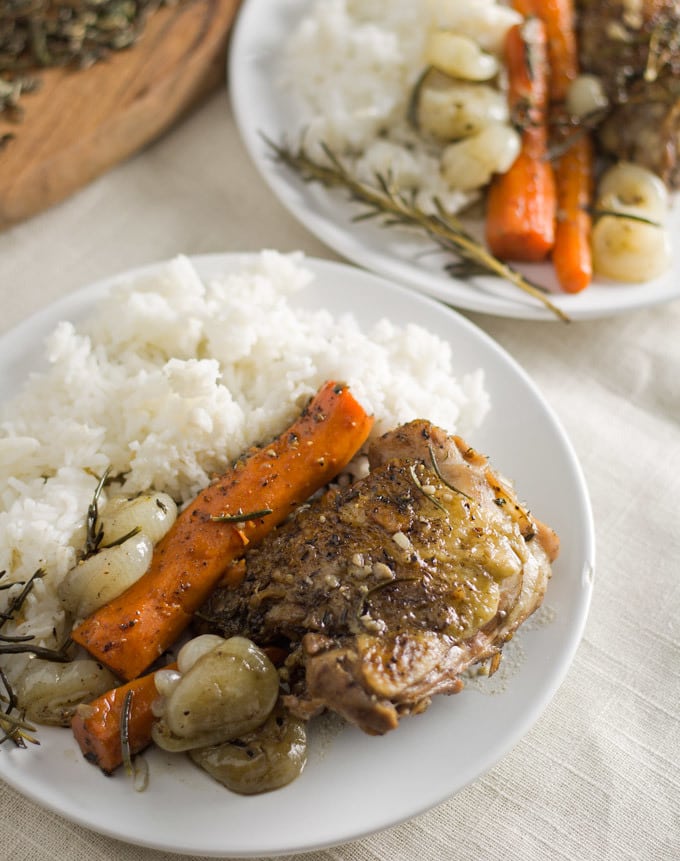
column 598, row 777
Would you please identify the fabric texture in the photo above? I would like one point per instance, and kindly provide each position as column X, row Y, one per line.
column 598, row 776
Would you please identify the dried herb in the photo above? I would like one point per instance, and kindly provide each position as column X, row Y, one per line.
column 135, row 768
column 94, row 530
column 40, row 34
column 241, row 516
column 391, row 206
column 95, row 533
column 438, row 472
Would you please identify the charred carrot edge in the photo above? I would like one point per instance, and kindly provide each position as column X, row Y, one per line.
column 571, row 254
column 129, row 633
column 521, row 205
column 97, row 728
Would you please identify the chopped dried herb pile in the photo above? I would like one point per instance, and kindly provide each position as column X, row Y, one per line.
column 40, row 34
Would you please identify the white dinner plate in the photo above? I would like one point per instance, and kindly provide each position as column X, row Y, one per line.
column 353, row 784
column 263, row 108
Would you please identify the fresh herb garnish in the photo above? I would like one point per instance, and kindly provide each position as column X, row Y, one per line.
column 137, row 769
column 433, row 499
column 95, row 533
column 435, row 467
column 13, row 726
column 386, row 202
column 240, row 516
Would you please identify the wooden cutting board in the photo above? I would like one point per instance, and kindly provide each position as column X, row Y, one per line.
column 81, row 123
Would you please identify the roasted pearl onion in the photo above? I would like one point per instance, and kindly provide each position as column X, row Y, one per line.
column 470, row 163
column 633, row 189
column 627, row 249
column 151, row 513
column 459, row 56
column 110, row 571
column 226, row 689
column 268, row 758
column 50, row 692
column 450, row 110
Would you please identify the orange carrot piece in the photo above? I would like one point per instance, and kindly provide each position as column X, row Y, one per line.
column 571, row 254
column 521, row 204
column 129, row 633
column 558, row 19
column 97, row 729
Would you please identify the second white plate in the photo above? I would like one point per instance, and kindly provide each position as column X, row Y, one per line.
column 261, row 107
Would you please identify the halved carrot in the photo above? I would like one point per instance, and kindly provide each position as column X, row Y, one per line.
column 558, row 19
column 520, row 211
column 571, row 254
column 97, row 727
column 129, row 633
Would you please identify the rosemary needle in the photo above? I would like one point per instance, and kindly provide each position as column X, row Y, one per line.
column 387, row 202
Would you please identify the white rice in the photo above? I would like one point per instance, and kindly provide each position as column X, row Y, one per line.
column 172, row 378
column 351, row 65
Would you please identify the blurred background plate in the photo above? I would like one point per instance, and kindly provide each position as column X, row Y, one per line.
column 263, row 107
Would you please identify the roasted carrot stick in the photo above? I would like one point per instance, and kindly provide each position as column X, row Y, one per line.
column 520, row 216
column 97, row 728
column 571, row 254
column 129, row 633
column 558, row 19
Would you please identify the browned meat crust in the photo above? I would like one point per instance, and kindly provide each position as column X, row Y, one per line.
column 634, row 48
column 387, row 591
column 619, row 40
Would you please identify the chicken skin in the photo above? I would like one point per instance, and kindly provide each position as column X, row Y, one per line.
column 385, row 592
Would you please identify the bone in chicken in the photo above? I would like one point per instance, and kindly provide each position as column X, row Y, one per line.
column 386, row 592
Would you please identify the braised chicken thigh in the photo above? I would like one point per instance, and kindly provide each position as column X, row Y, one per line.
column 386, row 591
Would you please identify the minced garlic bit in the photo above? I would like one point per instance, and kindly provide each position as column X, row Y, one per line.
column 381, row 570
column 401, row 540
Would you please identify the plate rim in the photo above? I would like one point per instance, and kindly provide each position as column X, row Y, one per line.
column 83, row 299
column 338, row 237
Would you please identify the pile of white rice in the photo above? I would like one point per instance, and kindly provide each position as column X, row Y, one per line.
column 172, row 378
column 351, row 66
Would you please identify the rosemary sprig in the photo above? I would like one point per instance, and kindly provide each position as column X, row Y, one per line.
column 13, row 726
column 28, row 647
column 123, row 538
column 137, row 769
column 16, row 603
column 241, row 516
column 438, row 473
column 95, row 535
column 386, row 202
column 418, row 484
column 601, row 213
